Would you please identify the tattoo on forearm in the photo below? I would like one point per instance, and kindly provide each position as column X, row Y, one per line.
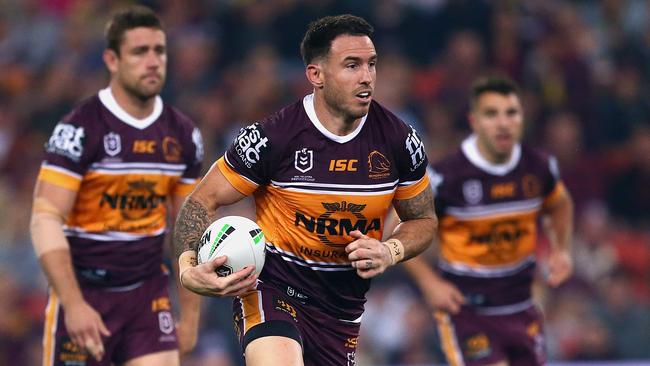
column 192, row 220
column 418, row 207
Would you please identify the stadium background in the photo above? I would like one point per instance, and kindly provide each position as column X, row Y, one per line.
column 585, row 71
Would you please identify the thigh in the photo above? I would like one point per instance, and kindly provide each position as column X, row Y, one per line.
column 273, row 351
column 149, row 328
column 469, row 339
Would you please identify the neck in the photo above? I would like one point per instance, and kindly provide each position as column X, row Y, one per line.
column 133, row 105
column 492, row 156
column 334, row 120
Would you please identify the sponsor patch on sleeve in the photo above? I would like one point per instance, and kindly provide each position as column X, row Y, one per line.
column 250, row 144
column 67, row 140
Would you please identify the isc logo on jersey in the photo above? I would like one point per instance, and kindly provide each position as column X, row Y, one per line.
column 66, row 140
column 249, row 143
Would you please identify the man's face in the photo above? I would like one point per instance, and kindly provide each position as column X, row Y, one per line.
column 141, row 66
column 349, row 75
column 497, row 120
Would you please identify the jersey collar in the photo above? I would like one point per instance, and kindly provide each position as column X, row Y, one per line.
column 470, row 150
column 308, row 104
column 107, row 99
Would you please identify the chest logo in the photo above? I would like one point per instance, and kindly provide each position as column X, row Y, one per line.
column 304, row 160
column 338, row 220
column 112, row 144
column 343, row 165
column 531, row 186
column 473, row 191
column 378, row 165
column 171, row 149
column 144, row 146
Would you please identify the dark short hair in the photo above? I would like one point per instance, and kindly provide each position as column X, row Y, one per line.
column 320, row 34
column 126, row 19
column 494, row 83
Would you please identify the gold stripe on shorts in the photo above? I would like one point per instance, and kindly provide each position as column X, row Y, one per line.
column 252, row 309
column 51, row 315
column 448, row 339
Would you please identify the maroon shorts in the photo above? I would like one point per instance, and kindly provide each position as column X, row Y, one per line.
column 269, row 311
column 474, row 339
column 139, row 318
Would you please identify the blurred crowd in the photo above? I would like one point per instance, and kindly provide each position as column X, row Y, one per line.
column 584, row 67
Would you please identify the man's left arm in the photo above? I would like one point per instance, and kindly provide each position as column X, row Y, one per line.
column 560, row 230
column 411, row 237
column 418, row 223
column 189, row 302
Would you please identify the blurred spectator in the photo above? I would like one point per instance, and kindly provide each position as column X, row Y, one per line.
column 595, row 255
column 582, row 173
column 626, row 316
column 619, row 109
column 628, row 194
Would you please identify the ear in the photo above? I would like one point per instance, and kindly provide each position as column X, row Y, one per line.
column 111, row 60
column 471, row 118
column 314, row 73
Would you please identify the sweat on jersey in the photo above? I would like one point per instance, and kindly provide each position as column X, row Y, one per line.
column 124, row 171
column 312, row 188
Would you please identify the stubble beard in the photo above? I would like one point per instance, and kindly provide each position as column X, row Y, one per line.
column 337, row 102
column 141, row 92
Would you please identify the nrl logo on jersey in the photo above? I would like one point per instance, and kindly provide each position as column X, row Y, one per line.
column 112, row 144
column 473, row 191
column 304, row 160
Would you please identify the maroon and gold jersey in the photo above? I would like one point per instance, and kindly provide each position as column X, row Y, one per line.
column 312, row 188
column 124, row 170
column 488, row 222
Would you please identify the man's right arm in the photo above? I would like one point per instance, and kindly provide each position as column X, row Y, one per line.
column 196, row 214
column 52, row 204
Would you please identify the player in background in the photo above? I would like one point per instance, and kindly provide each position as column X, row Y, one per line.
column 323, row 172
column 488, row 196
column 115, row 168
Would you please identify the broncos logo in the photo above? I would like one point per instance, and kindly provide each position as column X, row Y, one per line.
column 378, row 163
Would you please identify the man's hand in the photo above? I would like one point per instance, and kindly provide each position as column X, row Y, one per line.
column 85, row 327
column 203, row 279
column 443, row 295
column 369, row 256
column 560, row 267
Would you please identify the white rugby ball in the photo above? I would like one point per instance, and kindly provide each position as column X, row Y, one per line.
column 238, row 238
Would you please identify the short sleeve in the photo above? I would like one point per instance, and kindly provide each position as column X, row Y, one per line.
column 68, row 152
column 553, row 186
column 194, row 164
column 412, row 164
column 247, row 163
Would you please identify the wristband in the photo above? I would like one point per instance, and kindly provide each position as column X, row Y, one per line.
column 396, row 250
column 186, row 260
